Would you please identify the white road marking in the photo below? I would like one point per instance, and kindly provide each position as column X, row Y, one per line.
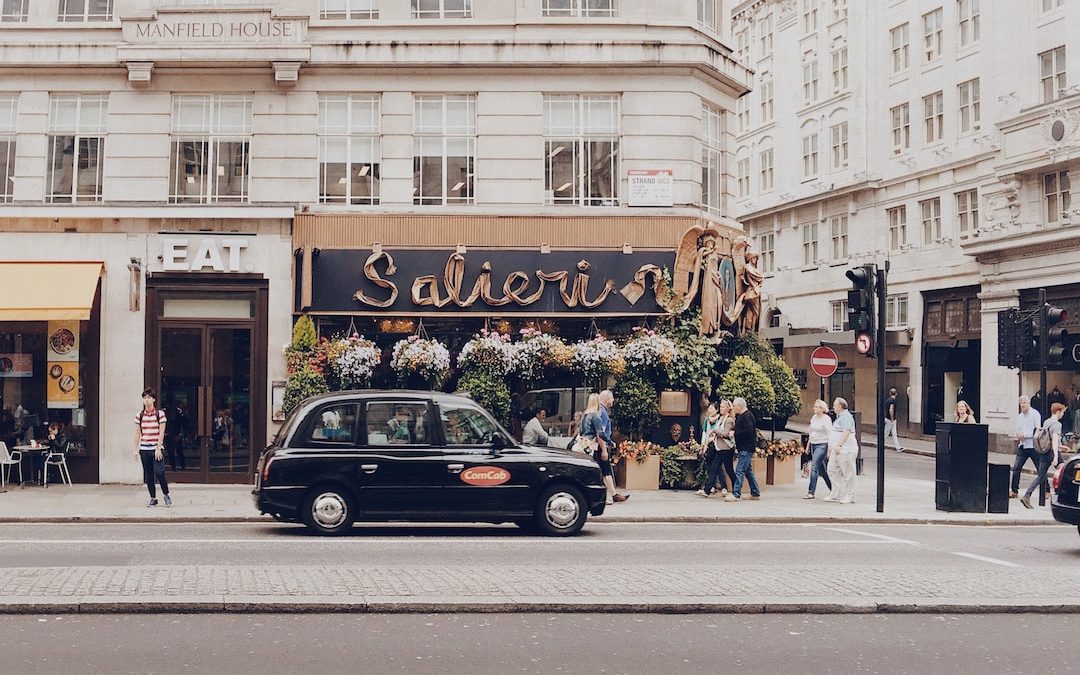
column 982, row 558
column 368, row 540
column 881, row 537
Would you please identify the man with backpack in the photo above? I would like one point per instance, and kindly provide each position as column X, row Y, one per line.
column 1027, row 422
column 1047, row 446
column 149, row 436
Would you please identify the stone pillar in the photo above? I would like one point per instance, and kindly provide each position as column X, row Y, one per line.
column 999, row 384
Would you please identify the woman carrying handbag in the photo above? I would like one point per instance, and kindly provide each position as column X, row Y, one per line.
column 592, row 435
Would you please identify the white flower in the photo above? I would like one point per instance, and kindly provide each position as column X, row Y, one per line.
column 429, row 359
column 358, row 360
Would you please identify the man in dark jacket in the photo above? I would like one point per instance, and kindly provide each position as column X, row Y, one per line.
column 745, row 441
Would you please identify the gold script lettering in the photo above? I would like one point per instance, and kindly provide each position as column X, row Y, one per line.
column 372, row 275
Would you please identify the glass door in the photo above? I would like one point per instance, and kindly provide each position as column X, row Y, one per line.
column 180, row 395
column 229, row 400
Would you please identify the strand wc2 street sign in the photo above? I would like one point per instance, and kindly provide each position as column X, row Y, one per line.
column 823, row 361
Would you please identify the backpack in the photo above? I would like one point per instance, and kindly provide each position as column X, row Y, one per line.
column 1043, row 441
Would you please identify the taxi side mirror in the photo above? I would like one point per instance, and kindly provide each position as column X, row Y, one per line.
column 499, row 442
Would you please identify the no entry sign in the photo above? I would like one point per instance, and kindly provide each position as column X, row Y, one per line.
column 824, row 362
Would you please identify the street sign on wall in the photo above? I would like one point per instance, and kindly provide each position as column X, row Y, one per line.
column 650, row 187
column 824, row 362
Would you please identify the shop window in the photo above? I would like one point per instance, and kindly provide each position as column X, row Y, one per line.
column 582, row 8
column 14, row 11
column 85, row 10
column 350, row 151
column 8, row 109
column 581, row 136
column 76, row 147
column 1057, row 193
column 390, row 423
column 935, row 319
column 211, row 144
column 712, row 164
column 349, row 9
column 335, row 424
column 442, row 9
column 444, row 152
column 466, row 426
column 955, row 317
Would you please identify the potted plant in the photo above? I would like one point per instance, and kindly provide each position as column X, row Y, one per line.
column 781, row 461
column 420, row 363
column 637, row 465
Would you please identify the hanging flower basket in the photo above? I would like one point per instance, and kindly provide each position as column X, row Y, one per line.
column 489, row 352
column 648, row 352
column 537, row 355
column 598, row 357
column 355, row 361
column 420, row 362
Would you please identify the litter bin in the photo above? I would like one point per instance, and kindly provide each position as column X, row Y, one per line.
column 998, row 499
column 961, row 471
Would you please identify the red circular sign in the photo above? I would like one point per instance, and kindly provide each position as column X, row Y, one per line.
column 824, row 362
column 485, row 476
column 862, row 343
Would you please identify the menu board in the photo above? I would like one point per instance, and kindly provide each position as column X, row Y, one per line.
column 62, row 342
column 16, row 365
column 63, row 385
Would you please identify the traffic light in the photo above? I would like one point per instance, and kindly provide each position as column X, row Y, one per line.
column 1055, row 335
column 1007, row 338
column 1027, row 346
column 861, row 307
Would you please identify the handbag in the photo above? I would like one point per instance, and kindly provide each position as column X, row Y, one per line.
column 585, row 445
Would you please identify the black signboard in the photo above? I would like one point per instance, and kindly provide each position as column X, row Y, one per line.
column 487, row 281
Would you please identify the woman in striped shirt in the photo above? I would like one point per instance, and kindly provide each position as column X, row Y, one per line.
column 150, row 425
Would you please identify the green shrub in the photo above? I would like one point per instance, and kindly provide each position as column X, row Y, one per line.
column 302, row 384
column 746, row 378
column 637, row 405
column 490, row 392
column 303, row 334
column 671, row 470
column 788, row 397
column 697, row 358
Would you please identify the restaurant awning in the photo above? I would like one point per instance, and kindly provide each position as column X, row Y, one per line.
column 47, row 291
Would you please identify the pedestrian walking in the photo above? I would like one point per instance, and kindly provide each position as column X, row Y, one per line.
column 607, row 401
column 150, row 433
column 591, row 435
column 843, row 449
column 745, row 443
column 817, row 445
column 1027, row 422
column 718, row 441
column 964, row 415
column 1047, row 450
column 890, row 420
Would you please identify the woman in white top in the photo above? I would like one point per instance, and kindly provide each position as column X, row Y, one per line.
column 817, row 445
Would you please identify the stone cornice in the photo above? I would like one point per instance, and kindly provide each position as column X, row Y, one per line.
column 1022, row 242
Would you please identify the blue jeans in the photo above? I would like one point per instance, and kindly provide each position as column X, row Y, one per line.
column 1042, row 465
column 818, row 455
column 1022, row 456
column 742, row 469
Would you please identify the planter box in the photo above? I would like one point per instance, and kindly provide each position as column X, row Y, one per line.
column 760, row 467
column 782, row 471
column 634, row 475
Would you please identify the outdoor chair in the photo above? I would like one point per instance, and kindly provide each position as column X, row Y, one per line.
column 59, row 460
column 7, row 460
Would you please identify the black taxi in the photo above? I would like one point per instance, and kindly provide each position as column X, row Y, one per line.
column 418, row 456
column 1065, row 504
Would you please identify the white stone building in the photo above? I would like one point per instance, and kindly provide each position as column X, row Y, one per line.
column 179, row 172
column 918, row 132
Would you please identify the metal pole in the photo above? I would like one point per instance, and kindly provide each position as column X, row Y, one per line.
column 882, row 295
column 1044, row 351
column 822, row 397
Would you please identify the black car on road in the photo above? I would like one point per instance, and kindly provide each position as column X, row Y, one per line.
column 1065, row 504
column 418, row 456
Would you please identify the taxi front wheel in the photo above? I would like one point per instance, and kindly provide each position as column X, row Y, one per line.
column 328, row 510
column 561, row 511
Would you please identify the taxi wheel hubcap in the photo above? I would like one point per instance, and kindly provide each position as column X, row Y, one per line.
column 561, row 509
column 329, row 509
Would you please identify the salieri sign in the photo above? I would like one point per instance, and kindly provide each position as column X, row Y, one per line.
column 243, row 27
column 650, row 187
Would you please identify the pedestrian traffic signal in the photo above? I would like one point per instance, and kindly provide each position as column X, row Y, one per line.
column 1027, row 346
column 861, row 307
column 1007, row 339
column 1055, row 334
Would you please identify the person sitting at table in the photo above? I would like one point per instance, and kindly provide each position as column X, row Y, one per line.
column 55, row 441
column 534, row 431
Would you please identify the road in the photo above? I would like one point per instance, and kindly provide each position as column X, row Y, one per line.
column 538, row 643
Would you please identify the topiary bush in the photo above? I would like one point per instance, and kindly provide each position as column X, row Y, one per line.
column 303, row 334
column 747, row 379
column 490, row 392
column 637, row 406
column 300, row 385
column 788, row 397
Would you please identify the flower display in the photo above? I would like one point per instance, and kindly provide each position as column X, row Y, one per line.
column 635, row 450
column 420, row 360
column 778, row 449
column 648, row 351
column 354, row 361
column 598, row 357
column 538, row 353
column 488, row 352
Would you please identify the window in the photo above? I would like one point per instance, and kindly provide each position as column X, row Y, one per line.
column 211, row 147
column 1056, row 191
column 742, row 175
column 896, row 315
column 970, row 114
column 397, row 423
column 14, row 11
column 838, row 232
column 766, row 100
column 765, row 34
column 839, row 145
column 933, row 27
column 76, row 147
column 444, row 149
column 969, row 21
column 742, row 44
column 810, row 155
column 931, row 220
column 442, row 9
column 767, row 246
column 466, row 425
column 810, row 81
column 1052, row 73
column 708, row 15
column 582, row 136
column 967, row 211
column 809, row 15
column 901, row 128
column 1051, row 5
column 839, row 10
column 901, row 46
column 8, row 108
column 349, row 9
column 809, row 244
column 85, row 10
column 334, row 425
column 766, row 160
column 349, row 149
column 712, row 167
column 934, row 117
column 840, row 322
column 897, row 217
column 742, row 113
column 582, row 8
column 839, row 70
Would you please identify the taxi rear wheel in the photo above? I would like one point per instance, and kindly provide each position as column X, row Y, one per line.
column 328, row 509
column 561, row 511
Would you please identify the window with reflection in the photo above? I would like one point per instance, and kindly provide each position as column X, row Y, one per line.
column 582, row 149
column 349, row 149
column 211, row 142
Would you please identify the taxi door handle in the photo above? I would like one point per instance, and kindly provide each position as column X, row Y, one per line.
column 369, row 468
column 455, row 468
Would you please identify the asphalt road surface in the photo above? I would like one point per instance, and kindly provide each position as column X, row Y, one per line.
column 539, row 643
